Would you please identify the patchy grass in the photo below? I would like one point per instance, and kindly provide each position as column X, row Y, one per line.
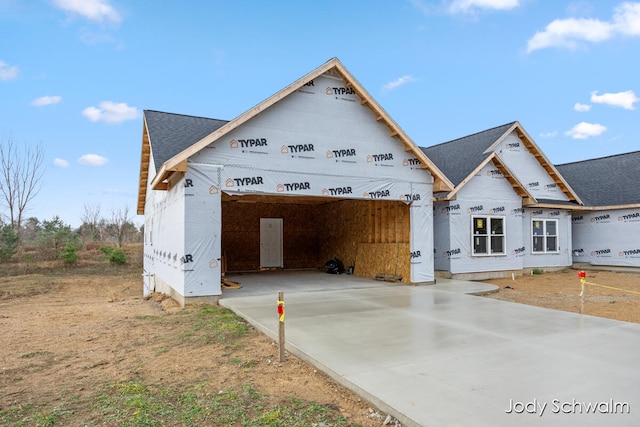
column 117, row 360
column 135, row 403
column 33, row 415
column 91, row 262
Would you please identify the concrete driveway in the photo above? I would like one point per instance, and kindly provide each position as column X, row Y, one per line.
column 435, row 356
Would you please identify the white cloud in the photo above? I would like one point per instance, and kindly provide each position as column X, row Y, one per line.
column 621, row 99
column 111, row 112
column 92, row 160
column 551, row 134
column 571, row 33
column 46, row 100
column 399, row 82
column 626, row 18
column 581, row 107
column 61, row 163
column 93, row 10
column 465, row 6
column 584, row 130
column 8, row 72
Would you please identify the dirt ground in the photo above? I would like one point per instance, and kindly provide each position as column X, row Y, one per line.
column 75, row 334
column 614, row 295
column 70, row 334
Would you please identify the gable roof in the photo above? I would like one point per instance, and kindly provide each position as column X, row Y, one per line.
column 166, row 135
column 177, row 162
column 504, row 170
column 460, row 158
column 606, row 182
column 170, row 134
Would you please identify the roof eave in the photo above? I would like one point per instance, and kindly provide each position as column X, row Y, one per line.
column 610, row 207
column 441, row 182
column 519, row 189
column 145, row 158
column 161, row 180
column 517, row 186
column 551, row 205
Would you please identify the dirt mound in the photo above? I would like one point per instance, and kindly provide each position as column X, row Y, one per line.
column 164, row 302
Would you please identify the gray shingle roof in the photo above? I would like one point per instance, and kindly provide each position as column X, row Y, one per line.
column 605, row 181
column 170, row 134
column 459, row 157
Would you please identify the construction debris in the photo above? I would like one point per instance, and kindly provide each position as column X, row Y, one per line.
column 388, row 277
column 230, row 284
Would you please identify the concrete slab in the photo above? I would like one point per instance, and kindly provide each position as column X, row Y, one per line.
column 434, row 356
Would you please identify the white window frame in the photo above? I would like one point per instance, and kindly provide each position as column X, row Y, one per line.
column 488, row 219
column 544, row 236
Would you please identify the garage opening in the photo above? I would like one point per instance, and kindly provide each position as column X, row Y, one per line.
column 373, row 236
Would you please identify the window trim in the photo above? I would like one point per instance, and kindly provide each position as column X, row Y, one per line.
column 488, row 236
column 545, row 235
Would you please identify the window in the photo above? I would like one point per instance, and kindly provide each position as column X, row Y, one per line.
column 488, row 235
column 544, row 236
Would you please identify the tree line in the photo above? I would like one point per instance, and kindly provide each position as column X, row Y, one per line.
column 50, row 238
column 21, row 174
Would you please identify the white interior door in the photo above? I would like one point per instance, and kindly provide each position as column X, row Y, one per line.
column 271, row 243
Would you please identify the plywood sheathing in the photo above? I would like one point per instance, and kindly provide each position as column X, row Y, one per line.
column 388, row 222
column 372, row 236
column 383, row 258
column 363, row 234
column 241, row 234
column 342, row 226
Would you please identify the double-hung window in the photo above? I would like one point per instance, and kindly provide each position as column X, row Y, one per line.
column 488, row 235
column 544, row 236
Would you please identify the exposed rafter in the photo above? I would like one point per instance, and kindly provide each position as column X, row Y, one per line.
column 145, row 158
column 527, row 198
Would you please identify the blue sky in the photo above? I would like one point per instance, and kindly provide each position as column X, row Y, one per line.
column 76, row 75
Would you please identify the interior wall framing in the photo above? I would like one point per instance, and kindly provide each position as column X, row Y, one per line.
column 371, row 235
column 241, row 234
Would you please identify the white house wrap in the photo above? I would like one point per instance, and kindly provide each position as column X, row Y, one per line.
column 321, row 140
column 509, row 210
column 319, row 170
column 607, row 231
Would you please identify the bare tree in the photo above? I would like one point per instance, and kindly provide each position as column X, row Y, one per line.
column 90, row 222
column 119, row 220
column 20, row 180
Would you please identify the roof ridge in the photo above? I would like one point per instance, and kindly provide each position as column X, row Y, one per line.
column 599, row 158
column 184, row 115
column 472, row 134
